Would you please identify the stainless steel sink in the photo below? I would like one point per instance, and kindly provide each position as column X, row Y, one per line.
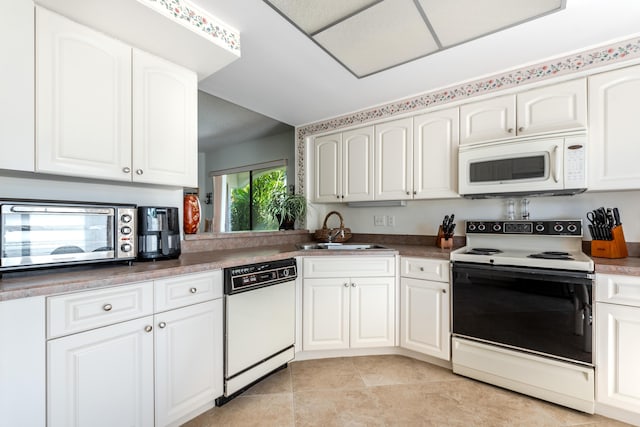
column 340, row 246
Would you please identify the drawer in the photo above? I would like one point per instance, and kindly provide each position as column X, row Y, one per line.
column 179, row 291
column 80, row 311
column 424, row 268
column 618, row 289
column 349, row 266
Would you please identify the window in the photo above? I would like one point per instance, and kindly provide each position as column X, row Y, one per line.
column 240, row 197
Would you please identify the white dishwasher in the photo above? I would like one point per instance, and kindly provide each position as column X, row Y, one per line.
column 259, row 323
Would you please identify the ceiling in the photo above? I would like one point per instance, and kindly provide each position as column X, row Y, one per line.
column 284, row 75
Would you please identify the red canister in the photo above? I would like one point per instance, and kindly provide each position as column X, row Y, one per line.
column 191, row 214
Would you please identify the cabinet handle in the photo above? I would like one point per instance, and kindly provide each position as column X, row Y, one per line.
column 139, row 171
column 162, row 325
column 521, row 129
column 107, row 307
column 148, row 328
column 193, row 290
column 510, row 130
column 126, row 169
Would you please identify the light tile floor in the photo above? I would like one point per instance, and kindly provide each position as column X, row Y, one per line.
column 385, row 391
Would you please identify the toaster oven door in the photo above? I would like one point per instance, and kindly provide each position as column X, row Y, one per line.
column 33, row 235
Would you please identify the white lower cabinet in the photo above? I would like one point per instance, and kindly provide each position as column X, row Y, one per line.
column 348, row 311
column 141, row 368
column 618, row 346
column 102, row 377
column 188, row 361
column 424, row 307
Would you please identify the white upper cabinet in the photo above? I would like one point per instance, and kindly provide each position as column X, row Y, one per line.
column 83, row 100
column 614, row 136
column 487, row 120
column 393, row 154
column 327, row 155
column 16, row 85
column 357, row 165
column 435, row 154
column 555, row 108
column 165, row 122
column 343, row 166
column 561, row 107
column 101, row 114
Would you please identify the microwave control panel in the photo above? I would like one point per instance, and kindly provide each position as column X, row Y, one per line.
column 574, row 163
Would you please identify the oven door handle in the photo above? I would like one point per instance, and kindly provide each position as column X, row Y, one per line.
column 61, row 210
column 488, row 270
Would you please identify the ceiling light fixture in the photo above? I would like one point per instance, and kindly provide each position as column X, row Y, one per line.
column 370, row 36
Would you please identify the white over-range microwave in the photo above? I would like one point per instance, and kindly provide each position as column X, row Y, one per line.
column 550, row 165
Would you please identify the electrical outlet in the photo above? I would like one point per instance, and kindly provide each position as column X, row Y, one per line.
column 379, row 220
column 391, row 220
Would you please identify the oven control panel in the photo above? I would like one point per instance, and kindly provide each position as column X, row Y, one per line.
column 571, row 227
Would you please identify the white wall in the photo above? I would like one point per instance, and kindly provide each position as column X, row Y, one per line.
column 423, row 217
column 28, row 186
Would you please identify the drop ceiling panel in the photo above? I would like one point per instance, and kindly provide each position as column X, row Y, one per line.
column 382, row 36
column 456, row 21
column 313, row 15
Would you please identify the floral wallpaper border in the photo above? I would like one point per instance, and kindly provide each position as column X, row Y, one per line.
column 598, row 57
column 199, row 21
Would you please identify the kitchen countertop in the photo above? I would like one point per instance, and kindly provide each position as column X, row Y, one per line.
column 55, row 281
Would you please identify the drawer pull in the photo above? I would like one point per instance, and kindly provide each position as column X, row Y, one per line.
column 421, row 268
column 193, row 290
column 148, row 328
column 107, row 307
column 162, row 325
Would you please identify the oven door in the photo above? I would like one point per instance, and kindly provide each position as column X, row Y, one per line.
column 541, row 311
column 36, row 235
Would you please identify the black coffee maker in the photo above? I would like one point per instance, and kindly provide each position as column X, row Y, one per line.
column 158, row 233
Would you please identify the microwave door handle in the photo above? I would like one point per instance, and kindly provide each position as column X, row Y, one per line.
column 556, row 166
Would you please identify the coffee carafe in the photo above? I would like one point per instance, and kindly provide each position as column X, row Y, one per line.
column 158, row 233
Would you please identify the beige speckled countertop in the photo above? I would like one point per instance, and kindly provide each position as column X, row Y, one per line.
column 55, row 281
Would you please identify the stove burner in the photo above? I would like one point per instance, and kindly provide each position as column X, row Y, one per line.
column 483, row 251
column 552, row 255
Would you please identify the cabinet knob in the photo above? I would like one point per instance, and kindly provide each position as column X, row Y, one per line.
column 139, row 171
column 408, row 193
column 346, row 285
column 162, row 325
column 421, row 268
column 337, row 196
column 148, row 328
column 444, row 291
column 353, row 285
column 521, row 129
column 510, row 130
column 107, row 307
column 415, row 192
column 193, row 290
column 342, row 197
column 126, row 169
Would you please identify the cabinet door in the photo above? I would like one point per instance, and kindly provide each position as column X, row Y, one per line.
column 165, row 122
column 618, row 352
column 372, row 312
column 435, row 154
column 560, row 107
column 614, row 136
column 393, row 164
column 424, row 319
column 488, row 120
column 327, row 155
column 22, row 362
column 188, row 361
column 102, row 377
column 17, row 85
column 83, row 100
column 325, row 314
column 357, row 165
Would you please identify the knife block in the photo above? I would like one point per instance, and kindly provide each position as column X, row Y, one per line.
column 616, row 248
column 441, row 242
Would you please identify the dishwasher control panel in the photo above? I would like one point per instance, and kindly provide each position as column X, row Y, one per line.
column 253, row 276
